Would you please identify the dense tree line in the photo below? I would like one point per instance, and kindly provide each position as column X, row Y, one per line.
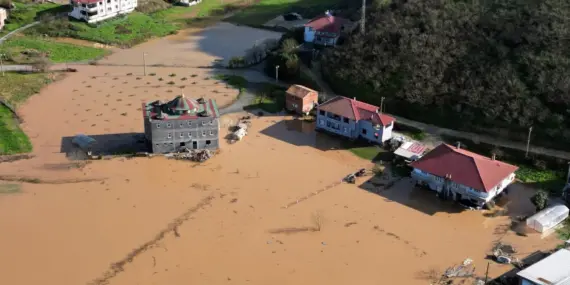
column 492, row 66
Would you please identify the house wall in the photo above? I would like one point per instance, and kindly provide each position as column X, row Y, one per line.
column 104, row 9
column 174, row 135
column 293, row 103
column 367, row 130
column 309, row 34
column 437, row 184
column 189, row 2
column 310, row 101
column 325, row 40
column 340, row 126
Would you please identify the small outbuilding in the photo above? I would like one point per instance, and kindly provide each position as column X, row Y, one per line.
column 548, row 218
column 301, row 99
column 411, row 150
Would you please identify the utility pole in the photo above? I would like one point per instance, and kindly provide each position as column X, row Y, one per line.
column 528, row 141
column 1, row 63
column 487, row 273
column 381, row 105
column 277, row 73
column 144, row 63
column 363, row 18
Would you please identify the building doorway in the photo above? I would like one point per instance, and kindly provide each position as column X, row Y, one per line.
column 195, row 145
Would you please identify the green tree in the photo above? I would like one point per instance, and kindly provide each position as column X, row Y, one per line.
column 482, row 65
column 540, row 200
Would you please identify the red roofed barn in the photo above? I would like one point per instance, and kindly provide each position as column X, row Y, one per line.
column 462, row 175
column 301, row 99
column 354, row 119
column 326, row 29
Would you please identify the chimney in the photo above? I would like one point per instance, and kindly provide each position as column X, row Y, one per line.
column 182, row 95
column 458, row 144
column 494, row 156
column 328, row 13
column 354, row 98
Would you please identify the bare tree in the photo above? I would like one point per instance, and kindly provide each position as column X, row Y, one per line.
column 41, row 64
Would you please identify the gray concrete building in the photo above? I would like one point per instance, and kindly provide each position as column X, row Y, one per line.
column 181, row 123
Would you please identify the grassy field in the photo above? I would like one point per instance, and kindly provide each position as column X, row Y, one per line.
column 12, row 139
column 365, row 152
column 25, row 14
column 15, row 88
column 20, row 49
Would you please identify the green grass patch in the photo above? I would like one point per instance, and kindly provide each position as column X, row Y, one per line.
column 15, row 88
column 26, row 14
column 365, row 152
column 550, row 180
column 564, row 231
column 12, row 139
column 124, row 31
column 235, row 81
column 268, row 104
column 22, row 50
column 10, row 188
column 265, row 10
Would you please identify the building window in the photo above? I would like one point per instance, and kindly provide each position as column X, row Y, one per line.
column 208, row 142
column 322, row 122
column 364, row 131
column 181, row 135
column 158, row 126
column 168, row 125
column 189, row 124
column 203, row 133
column 100, row 3
column 321, row 112
column 117, row 6
column 345, row 130
column 108, row 1
column 189, row 135
column 345, row 120
column 211, row 133
column 169, row 135
column 203, row 123
column 211, row 122
column 109, row 9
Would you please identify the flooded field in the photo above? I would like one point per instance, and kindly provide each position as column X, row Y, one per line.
column 159, row 221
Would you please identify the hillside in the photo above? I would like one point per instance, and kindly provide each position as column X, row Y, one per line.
column 494, row 67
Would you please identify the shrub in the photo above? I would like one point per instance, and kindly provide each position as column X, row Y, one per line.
column 236, row 62
column 41, row 64
column 540, row 200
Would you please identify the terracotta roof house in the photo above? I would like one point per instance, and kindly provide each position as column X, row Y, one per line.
column 301, row 99
column 354, row 119
column 461, row 175
column 326, row 29
column 181, row 123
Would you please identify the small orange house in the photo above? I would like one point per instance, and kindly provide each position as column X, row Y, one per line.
column 301, row 99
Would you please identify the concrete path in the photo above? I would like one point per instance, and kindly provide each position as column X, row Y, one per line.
column 8, row 35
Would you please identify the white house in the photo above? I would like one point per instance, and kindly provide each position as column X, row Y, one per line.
column 461, row 175
column 189, row 2
column 553, row 270
column 326, row 29
column 92, row 11
column 3, row 16
column 354, row 119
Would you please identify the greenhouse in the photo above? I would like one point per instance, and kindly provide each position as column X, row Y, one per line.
column 548, row 218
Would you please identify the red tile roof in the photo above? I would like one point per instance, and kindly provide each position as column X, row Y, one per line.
column 299, row 91
column 355, row 110
column 328, row 23
column 465, row 167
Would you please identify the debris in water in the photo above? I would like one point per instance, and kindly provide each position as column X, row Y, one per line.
column 193, row 155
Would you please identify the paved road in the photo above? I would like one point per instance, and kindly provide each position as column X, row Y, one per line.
column 431, row 129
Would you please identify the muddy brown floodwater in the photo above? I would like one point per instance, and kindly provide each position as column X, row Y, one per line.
column 160, row 221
